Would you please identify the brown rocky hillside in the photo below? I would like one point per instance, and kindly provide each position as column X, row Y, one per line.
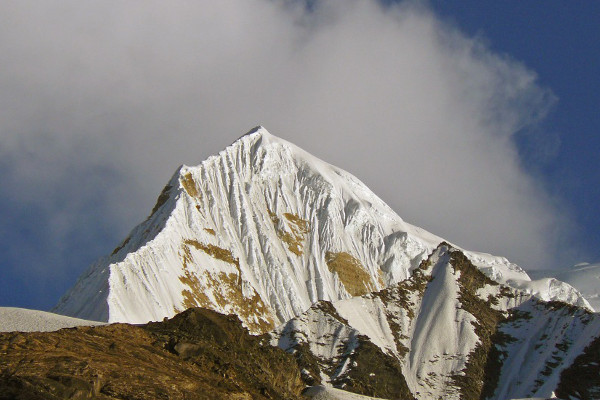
column 199, row 354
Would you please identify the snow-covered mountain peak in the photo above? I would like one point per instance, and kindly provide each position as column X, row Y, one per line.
column 263, row 230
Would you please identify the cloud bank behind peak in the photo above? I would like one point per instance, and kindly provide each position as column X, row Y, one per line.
column 102, row 100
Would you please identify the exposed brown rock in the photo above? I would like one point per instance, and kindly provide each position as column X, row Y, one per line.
column 482, row 370
column 119, row 247
column 292, row 230
column 375, row 373
column 352, row 274
column 199, row 354
column 582, row 379
column 189, row 184
column 162, row 199
column 226, row 289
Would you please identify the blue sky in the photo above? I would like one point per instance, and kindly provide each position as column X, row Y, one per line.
column 101, row 101
column 560, row 41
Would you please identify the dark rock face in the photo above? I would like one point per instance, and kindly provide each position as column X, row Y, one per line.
column 199, row 354
column 582, row 379
column 376, row 373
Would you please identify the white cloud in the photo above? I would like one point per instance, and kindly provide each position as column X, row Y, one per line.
column 101, row 100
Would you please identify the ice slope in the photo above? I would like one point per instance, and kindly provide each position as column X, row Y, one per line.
column 583, row 277
column 438, row 324
column 25, row 320
column 545, row 339
column 263, row 230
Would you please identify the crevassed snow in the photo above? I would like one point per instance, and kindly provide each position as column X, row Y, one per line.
column 24, row 320
column 278, row 211
column 549, row 289
column 503, row 271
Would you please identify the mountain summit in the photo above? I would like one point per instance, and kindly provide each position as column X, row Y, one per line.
column 264, row 230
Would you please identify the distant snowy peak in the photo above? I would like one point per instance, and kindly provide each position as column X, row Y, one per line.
column 584, row 277
column 262, row 230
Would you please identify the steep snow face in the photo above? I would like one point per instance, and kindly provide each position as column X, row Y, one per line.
column 262, row 230
column 544, row 339
column 456, row 334
column 419, row 322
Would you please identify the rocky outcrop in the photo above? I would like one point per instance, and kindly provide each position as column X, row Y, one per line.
column 199, row 354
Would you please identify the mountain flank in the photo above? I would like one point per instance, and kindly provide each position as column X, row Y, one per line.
column 449, row 332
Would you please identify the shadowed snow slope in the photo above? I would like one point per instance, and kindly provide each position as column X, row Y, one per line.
column 263, row 230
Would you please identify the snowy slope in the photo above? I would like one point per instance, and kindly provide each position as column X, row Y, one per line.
column 438, row 324
column 419, row 322
column 329, row 393
column 263, row 230
column 25, row 320
column 545, row 339
column 584, row 277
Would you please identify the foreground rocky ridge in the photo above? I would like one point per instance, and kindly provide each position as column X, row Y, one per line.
column 199, row 354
